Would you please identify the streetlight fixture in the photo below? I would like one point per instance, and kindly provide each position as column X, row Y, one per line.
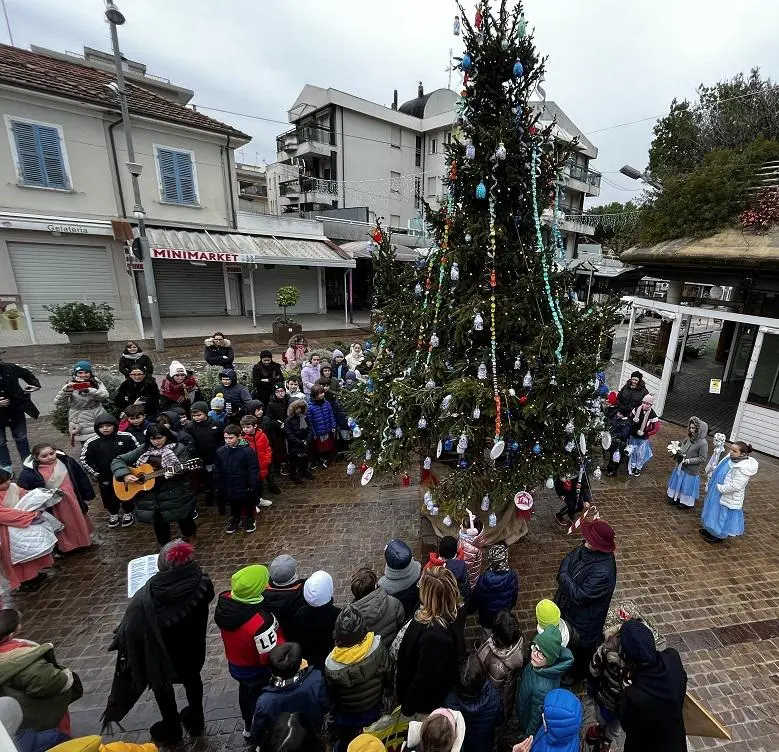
column 634, row 174
column 115, row 18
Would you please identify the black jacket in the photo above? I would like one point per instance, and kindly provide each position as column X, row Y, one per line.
column 130, row 391
column 236, row 472
column 218, row 356
column 284, row 602
column 208, row 438
column 10, row 389
column 182, row 435
column 652, row 706
column 99, row 451
column 276, row 413
column 586, row 581
column 31, row 478
column 426, row 668
column 139, row 432
column 314, row 627
column 494, row 591
column 264, row 380
column 298, row 438
column 126, row 364
column 357, row 688
column 628, row 399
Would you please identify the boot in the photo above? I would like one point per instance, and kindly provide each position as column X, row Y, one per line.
column 193, row 721
column 166, row 732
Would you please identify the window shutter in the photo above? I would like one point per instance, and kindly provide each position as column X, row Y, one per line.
column 186, row 178
column 30, row 164
column 51, row 155
column 167, row 161
column 177, row 177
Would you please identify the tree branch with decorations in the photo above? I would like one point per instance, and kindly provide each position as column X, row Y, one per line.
column 486, row 361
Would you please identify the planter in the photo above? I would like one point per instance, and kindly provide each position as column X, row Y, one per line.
column 87, row 338
column 282, row 332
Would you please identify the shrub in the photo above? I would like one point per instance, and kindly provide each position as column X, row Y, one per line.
column 287, row 297
column 80, row 317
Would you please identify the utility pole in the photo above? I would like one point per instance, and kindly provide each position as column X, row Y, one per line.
column 116, row 18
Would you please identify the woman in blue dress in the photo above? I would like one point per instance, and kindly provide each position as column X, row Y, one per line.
column 684, row 485
column 723, row 507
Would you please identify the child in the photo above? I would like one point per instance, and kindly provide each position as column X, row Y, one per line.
column 343, row 434
column 171, row 419
column 340, row 366
column 258, row 442
column 276, row 414
column 323, row 425
column 684, row 485
column 217, row 412
column 310, row 372
column 179, row 387
column 472, row 541
column 451, row 556
column 236, row 396
column 619, row 428
column 573, row 488
column 297, row 429
column 314, row 622
column 297, row 352
column 497, row 589
column 135, row 422
column 265, row 424
column 236, row 475
column 503, row 656
column 207, row 435
column 96, row 457
column 265, row 374
column 548, row 615
column 442, row 731
column 644, row 424
column 355, row 356
column 293, row 388
column 326, row 374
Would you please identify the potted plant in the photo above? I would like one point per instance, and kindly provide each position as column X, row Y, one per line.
column 284, row 326
column 84, row 323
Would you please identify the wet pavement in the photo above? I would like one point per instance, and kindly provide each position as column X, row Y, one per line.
column 718, row 605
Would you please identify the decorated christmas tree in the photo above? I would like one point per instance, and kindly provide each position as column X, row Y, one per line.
column 486, row 361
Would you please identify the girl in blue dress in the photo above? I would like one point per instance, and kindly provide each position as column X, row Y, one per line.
column 723, row 507
column 684, row 485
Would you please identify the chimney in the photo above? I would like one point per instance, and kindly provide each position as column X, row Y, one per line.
column 395, row 100
column 420, row 90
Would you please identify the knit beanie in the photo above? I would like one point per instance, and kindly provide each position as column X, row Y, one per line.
column 498, row 557
column 218, row 403
column 637, row 641
column 318, row 590
column 177, row 553
column 365, row 743
column 636, row 375
column 397, row 555
column 199, row 407
column 550, row 643
column 350, row 628
column 176, row 367
column 248, row 584
column 266, row 354
column 82, row 365
column 283, row 570
column 447, row 547
column 337, row 353
column 547, row 614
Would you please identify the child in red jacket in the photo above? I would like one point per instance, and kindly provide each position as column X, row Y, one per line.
column 258, row 441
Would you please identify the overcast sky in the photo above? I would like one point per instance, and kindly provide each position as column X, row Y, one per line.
column 610, row 61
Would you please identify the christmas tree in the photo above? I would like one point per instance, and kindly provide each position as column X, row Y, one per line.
column 485, row 359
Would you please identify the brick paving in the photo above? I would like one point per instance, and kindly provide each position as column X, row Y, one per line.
column 719, row 605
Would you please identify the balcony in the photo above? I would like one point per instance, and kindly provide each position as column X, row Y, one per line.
column 308, row 190
column 323, row 190
column 289, row 188
column 581, row 179
column 570, row 220
column 305, row 140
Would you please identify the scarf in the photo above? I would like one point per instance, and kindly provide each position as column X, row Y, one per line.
column 132, row 356
column 278, row 683
column 354, row 653
column 166, row 454
column 303, row 423
column 58, row 475
column 646, row 414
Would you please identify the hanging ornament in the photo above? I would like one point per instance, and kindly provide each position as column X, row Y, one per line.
column 447, row 521
column 422, row 425
column 462, row 464
column 504, row 44
column 363, row 467
column 462, row 444
column 570, row 446
column 446, row 401
column 351, row 468
column 550, row 482
column 448, row 444
column 456, row 26
column 398, row 433
column 521, row 26
column 481, row 374
column 434, row 510
column 527, row 382
column 428, row 463
column 418, row 289
column 454, row 274
column 493, row 519
column 512, row 392
column 465, row 64
column 380, row 329
column 405, row 479
column 500, row 152
column 523, row 399
column 517, row 363
column 367, row 477
column 478, row 322
column 569, row 427
column 430, row 385
column 470, row 151
column 434, row 341
column 616, row 457
column 468, row 237
column 368, row 455
column 518, row 69
column 478, row 19
column 596, row 473
column 514, row 446
column 476, row 414
column 357, row 432
column 537, row 448
column 485, row 503
column 553, row 381
column 481, row 191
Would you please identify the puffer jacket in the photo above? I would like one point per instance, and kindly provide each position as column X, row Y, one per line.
column 308, row 376
column 694, row 451
column 733, row 488
column 259, row 444
column 182, row 435
column 322, row 417
column 534, row 686
column 628, row 399
column 183, row 394
column 472, row 545
column 237, row 397
column 503, row 666
column 236, row 472
column 171, row 497
column 482, row 715
column 494, row 592
column 382, row 613
column 83, row 407
column 99, row 451
column 563, row 714
column 218, row 356
column 358, row 687
column 297, row 429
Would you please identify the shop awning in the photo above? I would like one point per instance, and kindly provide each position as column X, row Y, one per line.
column 243, row 248
column 359, row 250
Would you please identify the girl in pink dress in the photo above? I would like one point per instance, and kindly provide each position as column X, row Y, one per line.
column 47, row 467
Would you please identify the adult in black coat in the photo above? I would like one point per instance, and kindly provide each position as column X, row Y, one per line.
column 631, row 395
column 217, row 351
column 133, row 357
column 138, row 389
column 651, row 713
column 586, row 581
column 266, row 373
column 15, row 403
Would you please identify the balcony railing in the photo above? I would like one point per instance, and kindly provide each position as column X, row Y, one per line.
column 319, row 185
column 577, row 172
column 289, row 188
column 290, row 140
column 254, row 190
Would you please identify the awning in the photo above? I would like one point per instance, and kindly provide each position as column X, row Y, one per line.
column 359, row 249
column 243, row 248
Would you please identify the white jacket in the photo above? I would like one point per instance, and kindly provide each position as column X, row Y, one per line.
column 83, row 408
column 734, row 486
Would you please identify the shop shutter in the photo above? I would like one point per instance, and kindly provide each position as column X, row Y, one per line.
column 267, row 281
column 184, row 289
column 49, row 274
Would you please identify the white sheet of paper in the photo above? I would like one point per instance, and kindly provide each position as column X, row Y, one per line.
column 139, row 572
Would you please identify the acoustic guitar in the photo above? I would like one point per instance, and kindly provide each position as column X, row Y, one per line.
column 147, row 476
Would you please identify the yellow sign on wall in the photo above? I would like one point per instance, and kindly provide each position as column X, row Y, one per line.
column 715, row 386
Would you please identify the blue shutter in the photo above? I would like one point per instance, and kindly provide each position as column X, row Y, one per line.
column 177, row 177
column 167, row 162
column 40, row 155
column 186, row 178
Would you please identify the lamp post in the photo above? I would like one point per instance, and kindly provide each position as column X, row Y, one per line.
column 116, row 18
column 634, row 174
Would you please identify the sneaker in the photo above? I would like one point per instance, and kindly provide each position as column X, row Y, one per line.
column 127, row 520
column 114, row 520
column 561, row 521
column 264, row 503
column 251, row 525
column 637, row 472
column 325, row 464
column 234, row 526
column 672, row 502
column 247, row 734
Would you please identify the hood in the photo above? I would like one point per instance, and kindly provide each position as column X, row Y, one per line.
column 294, row 405
column 174, row 418
column 231, row 614
column 102, row 420
column 513, row 656
column 701, row 427
column 294, row 337
column 365, row 665
column 415, row 728
column 373, row 606
column 559, row 667
column 748, row 466
column 229, row 373
column 31, row 462
column 209, row 342
column 563, row 716
column 252, row 405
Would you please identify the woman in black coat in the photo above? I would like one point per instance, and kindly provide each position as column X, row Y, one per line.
column 134, row 357
column 138, row 389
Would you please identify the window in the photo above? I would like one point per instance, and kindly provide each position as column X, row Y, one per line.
column 418, row 153
column 431, row 186
column 765, row 382
column 39, row 154
column 395, row 137
column 394, row 220
column 395, row 182
column 177, row 176
column 433, row 146
column 447, row 137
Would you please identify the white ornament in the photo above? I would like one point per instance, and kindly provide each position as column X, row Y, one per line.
column 398, row 433
column 596, row 473
column 553, row 381
column 434, row 341
column 512, row 392
column 616, row 457
column 500, row 152
column 357, row 432
column 428, row 497
column 517, row 363
column 418, row 289
column 351, row 468
column 476, row 414
column 569, row 427
column 485, row 503
column 462, row 444
column 446, row 401
column 570, row 446
column 468, row 238
column 478, row 322
column 454, row 274
column 434, row 510
column 493, row 519
column 550, row 482
column 481, row 374
column 368, row 455
column 447, row 520
column 430, row 385
column 428, row 463
column 422, row 423
column 527, row 382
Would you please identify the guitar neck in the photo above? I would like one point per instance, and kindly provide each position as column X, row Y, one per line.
column 161, row 472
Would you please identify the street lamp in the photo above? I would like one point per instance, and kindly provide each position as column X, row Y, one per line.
column 634, row 174
column 115, row 18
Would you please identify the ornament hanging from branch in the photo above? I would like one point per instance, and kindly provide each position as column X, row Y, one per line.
column 456, row 26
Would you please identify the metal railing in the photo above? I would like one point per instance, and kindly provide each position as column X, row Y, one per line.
column 314, row 133
column 318, row 185
column 577, row 172
column 289, row 188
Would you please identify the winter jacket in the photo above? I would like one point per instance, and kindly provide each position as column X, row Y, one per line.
column 137, row 432
column 128, row 362
column 31, row 478
column 308, row 377
column 357, row 688
column 237, row 397
column 284, row 602
column 218, row 356
column 298, row 429
column 322, row 417
column 340, row 370
column 182, row 435
column 482, row 715
column 208, row 438
column 314, row 626
column 651, row 713
column 472, row 545
column 426, row 667
column 99, row 451
column 146, row 391
column 236, row 472
column 183, row 394
column 259, row 444
column 457, row 567
column 586, row 581
column 10, row 389
column 734, row 487
column 306, row 694
column 354, row 359
column 341, row 419
column 567, row 491
column 83, row 407
column 264, row 380
column 534, row 686
column 503, row 666
column 607, row 672
column 628, row 399
column 172, row 497
column 249, row 632
column 220, row 418
column 276, row 412
column 652, row 423
column 694, row 452
column 382, row 613
column 563, row 714
column 30, row 674
column 494, row 591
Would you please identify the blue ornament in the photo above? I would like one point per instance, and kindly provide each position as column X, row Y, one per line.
column 536, row 448
column 601, row 376
column 466, row 62
column 448, row 445
column 514, row 446
column 462, row 464
column 518, row 69
column 379, row 328
column 352, row 423
column 370, row 387
column 603, row 390
column 481, row 191
column 367, row 345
